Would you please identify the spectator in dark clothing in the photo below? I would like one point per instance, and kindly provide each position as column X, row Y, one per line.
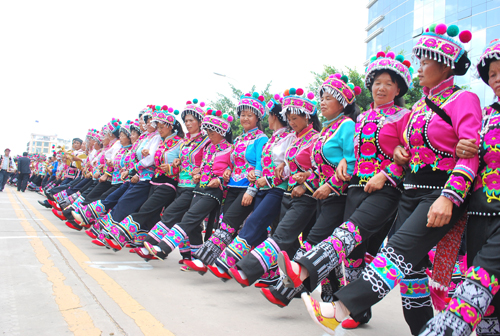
column 23, row 167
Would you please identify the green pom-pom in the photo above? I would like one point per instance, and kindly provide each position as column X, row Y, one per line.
column 195, row 101
column 351, row 86
column 366, row 69
column 214, row 112
column 453, row 31
column 344, row 79
column 176, row 112
column 157, row 107
column 315, row 102
column 411, row 70
column 400, row 58
column 255, row 95
column 432, row 27
column 225, row 115
column 373, row 58
column 292, row 91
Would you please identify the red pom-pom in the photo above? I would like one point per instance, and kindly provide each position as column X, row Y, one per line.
column 261, row 98
column 465, row 36
column 188, row 102
column 299, row 92
column 287, row 93
column 407, row 63
column 440, row 29
column 380, row 54
column 164, row 107
column 390, row 54
column 218, row 113
column 427, row 30
column 248, row 95
column 357, row 90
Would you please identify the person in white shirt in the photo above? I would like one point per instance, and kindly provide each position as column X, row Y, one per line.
column 8, row 166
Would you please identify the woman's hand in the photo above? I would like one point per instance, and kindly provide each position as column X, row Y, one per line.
column 196, row 178
column 176, row 163
column 278, row 171
column 301, row 177
column 145, row 152
column 103, row 178
column 195, row 171
column 341, row 171
column 440, row 212
column 227, row 175
column 134, row 179
column 96, row 175
column 298, row 191
column 322, row 192
column 467, row 148
column 401, row 156
column 251, row 176
column 124, row 175
column 261, row 182
column 246, row 200
column 214, row 183
column 165, row 167
column 375, row 183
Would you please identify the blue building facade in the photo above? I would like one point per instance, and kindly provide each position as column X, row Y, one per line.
column 399, row 23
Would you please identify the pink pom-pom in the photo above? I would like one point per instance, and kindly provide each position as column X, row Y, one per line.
column 357, row 90
column 261, row 98
column 331, row 76
column 188, row 102
column 248, row 95
column 218, row 113
column 440, row 29
column 465, row 36
column 337, row 75
column 380, row 54
column 310, row 95
column 170, row 110
column 427, row 30
column 230, row 118
column 281, row 100
column 202, row 104
column 277, row 96
column 165, row 107
column 390, row 54
column 299, row 92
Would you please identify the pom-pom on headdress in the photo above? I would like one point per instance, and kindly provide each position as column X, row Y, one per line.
column 112, row 126
column 217, row 121
column 254, row 102
column 397, row 64
column 127, row 128
column 164, row 114
column 490, row 53
column 438, row 43
column 194, row 109
column 295, row 101
column 147, row 113
column 274, row 105
column 135, row 126
column 340, row 88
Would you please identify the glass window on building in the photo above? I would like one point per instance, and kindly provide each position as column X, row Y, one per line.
column 45, row 150
column 39, row 143
column 478, row 22
column 493, row 17
column 492, row 33
column 46, row 144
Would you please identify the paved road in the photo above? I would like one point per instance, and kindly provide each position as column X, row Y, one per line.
column 55, row 282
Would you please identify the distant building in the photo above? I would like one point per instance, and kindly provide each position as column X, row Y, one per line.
column 42, row 144
column 399, row 23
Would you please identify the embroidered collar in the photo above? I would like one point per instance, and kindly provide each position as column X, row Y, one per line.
column 192, row 136
column 329, row 122
column 305, row 131
column 383, row 106
column 250, row 131
column 279, row 131
column 446, row 84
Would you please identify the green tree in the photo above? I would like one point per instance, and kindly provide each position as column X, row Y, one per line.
column 227, row 104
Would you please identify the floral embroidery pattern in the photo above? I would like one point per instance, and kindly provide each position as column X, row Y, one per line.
column 161, row 153
column 291, row 153
column 241, row 166
column 268, row 165
column 208, row 161
column 174, row 237
column 190, row 156
column 370, row 159
column 267, row 253
column 414, row 288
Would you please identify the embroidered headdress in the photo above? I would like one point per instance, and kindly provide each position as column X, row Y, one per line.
column 397, row 64
column 438, row 43
column 254, row 102
column 126, row 128
column 193, row 109
column 295, row 101
column 165, row 114
column 339, row 87
column 217, row 121
column 112, row 126
column 490, row 53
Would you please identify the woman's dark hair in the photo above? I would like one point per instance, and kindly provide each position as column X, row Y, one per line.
column 395, row 78
column 229, row 136
column 116, row 132
column 276, row 111
column 178, row 128
column 316, row 123
column 146, row 118
column 135, row 131
column 352, row 111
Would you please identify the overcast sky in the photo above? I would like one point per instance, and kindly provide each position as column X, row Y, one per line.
column 73, row 65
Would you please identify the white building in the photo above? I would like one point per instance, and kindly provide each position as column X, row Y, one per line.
column 42, row 144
